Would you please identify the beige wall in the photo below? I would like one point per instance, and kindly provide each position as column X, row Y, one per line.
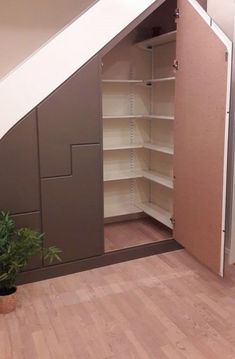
column 25, row 25
column 222, row 11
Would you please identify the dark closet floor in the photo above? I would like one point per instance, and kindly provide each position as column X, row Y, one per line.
column 134, row 233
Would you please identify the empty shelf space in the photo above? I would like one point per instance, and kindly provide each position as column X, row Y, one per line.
column 158, row 178
column 157, row 40
column 122, row 147
column 156, row 212
column 159, row 148
column 121, row 175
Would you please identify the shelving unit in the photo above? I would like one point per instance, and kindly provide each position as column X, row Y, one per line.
column 138, row 128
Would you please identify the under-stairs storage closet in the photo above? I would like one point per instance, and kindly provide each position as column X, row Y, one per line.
column 128, row 157
column 165, row 129
column 138, row 84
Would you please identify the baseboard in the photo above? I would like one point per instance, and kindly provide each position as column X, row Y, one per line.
column 99, row 261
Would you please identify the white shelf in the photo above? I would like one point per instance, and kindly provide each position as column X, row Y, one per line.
column 159, row 117
column 157, row 40
column 118, row 210
column 122, row 147
column 162, row 79
column 116, row 81
column 158, row 148
column 158, row 178
column 150, row 175
column 156, row 212
column 149, row 146
column 171, row 118
column 123, row 117
column 121, row 176
column 141, row 82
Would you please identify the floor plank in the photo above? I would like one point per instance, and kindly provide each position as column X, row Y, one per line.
column 133, row 233
column 165, row 307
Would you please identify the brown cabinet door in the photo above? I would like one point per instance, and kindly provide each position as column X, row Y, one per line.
column 33, row 221
column 72, row 206
column 19, row 170
column 201, row 126
column 69, row 116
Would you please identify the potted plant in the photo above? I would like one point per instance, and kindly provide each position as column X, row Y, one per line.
column 17, row 246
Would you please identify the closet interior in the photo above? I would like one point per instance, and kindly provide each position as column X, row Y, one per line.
column 138, row 84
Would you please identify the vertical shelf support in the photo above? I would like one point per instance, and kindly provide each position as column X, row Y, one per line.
column 132, row 138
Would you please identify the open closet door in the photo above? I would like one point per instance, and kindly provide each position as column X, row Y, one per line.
column 201, row 131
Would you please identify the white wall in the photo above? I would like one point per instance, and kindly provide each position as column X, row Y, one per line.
column 25, row 25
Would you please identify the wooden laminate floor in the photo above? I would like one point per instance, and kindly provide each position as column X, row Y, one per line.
column 134, row 233
column 160, row 307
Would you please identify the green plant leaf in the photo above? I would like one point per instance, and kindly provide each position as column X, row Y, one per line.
column 16, row 249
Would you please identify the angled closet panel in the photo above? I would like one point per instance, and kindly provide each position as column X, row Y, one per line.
column 201, row 128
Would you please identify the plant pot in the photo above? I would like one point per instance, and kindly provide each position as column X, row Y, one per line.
column 7, row 300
